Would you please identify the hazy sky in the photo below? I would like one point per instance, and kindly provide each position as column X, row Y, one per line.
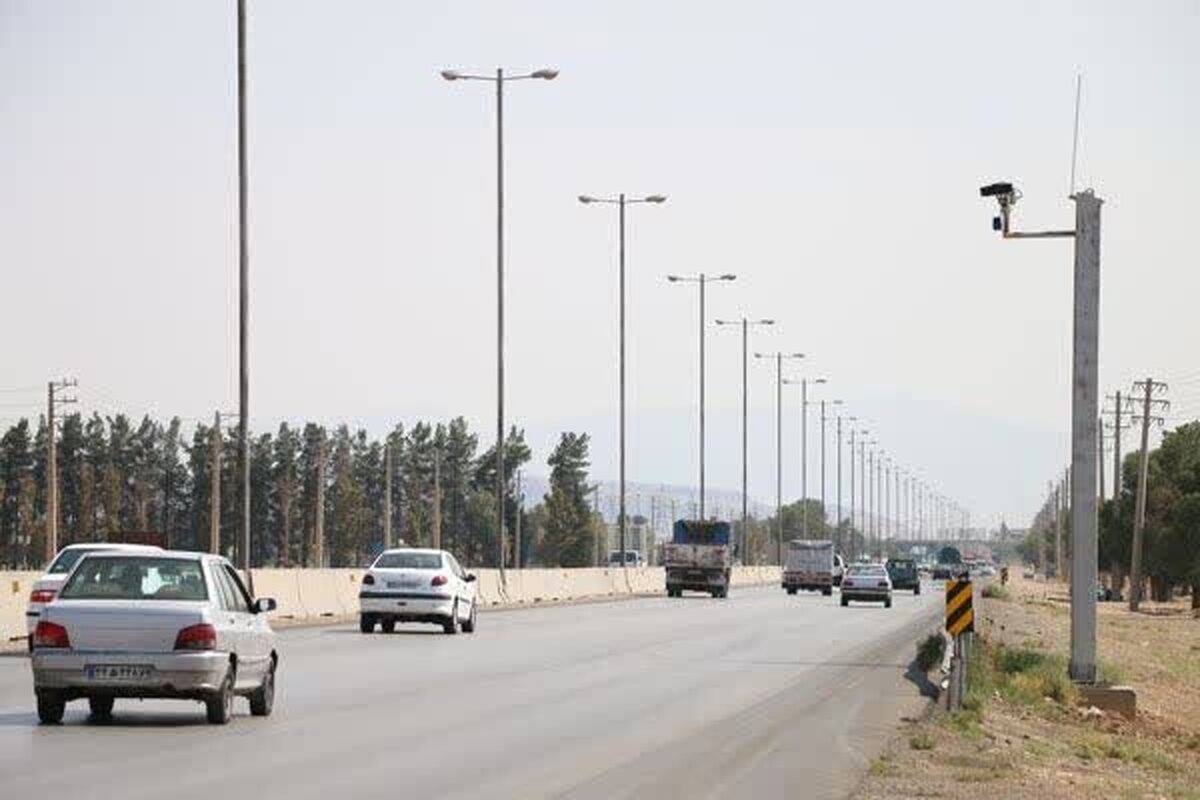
column 829, row 154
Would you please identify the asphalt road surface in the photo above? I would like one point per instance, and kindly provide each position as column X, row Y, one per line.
column 761, row 695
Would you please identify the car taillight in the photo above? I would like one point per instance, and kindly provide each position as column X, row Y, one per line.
column 41, row 595
column 50, row 635
column 197, row 637
column 368, row 579
column 847, row 582
column 883, row 584
column 439, row 580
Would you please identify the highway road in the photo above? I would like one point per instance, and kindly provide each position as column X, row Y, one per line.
column 760, row 695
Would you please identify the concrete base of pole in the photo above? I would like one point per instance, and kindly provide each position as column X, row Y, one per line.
column 1111, row 699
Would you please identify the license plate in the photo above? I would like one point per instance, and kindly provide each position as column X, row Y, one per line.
column 119, row 673
column 403, row 584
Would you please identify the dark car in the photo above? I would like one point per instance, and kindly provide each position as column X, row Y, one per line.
column 904, row 574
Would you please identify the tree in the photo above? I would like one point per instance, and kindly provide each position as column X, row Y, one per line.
column 569, row 538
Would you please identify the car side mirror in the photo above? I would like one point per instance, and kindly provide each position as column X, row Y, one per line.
column 264, row 604
column 470, row 577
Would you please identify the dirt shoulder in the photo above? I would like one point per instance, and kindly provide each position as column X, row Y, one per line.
column 1023, row 732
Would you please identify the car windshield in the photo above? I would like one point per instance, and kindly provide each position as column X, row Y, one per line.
column 68, row 558
column 136, row 578
column 409, row 561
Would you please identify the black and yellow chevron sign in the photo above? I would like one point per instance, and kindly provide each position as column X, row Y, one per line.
column 960, row 616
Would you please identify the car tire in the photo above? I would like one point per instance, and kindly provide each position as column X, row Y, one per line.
column 887, row 603
column 451, row 626
column 845, row 601
column 791, row 590
column 917, row 590
column 469, row 625
column 262, row 701
column 29, row 643
column 387, row 625
column 827, row 591
column 366, row 623
column 101, row 708
column 50, row 707
column 218, row 706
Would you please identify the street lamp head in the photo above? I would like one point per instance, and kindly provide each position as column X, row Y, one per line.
column 764, row 322
column 727, row 277
column 451, row 75
column 673, row 278
column 585, row 199
column 656, row 198
column 835, row 402
column 819, row 380
column 545, row 74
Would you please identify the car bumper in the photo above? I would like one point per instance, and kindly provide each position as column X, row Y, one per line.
column 406, row 604
column 807, row 580
column 700, row 580
column 32, row 615
column 174, row 674
column 866, row 595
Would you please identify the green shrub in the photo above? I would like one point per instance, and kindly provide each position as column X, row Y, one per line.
column 931, row 651
column 921, row 741
column 994, row 591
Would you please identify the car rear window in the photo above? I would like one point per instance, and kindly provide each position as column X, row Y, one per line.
column 409, row 561
column 867, row 571
column 137, row 578
column 67, row 558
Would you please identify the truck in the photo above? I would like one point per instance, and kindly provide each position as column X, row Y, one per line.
column 811, row 565
column 699, row 557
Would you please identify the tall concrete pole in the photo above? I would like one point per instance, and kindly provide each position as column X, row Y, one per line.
column 702, row 318
column 837, row 514
column 387, row 497
column 779, row 456
column 1117, row 458
column 318, row 544
column 804, row 457
column 622, row 522
column 501, row 535
column 214, row 494
column 871, row 516
column 1084, row 413
column 853, row 516
column 243, row 294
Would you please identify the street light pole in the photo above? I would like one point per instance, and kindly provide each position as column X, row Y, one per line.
column 243, row 293
column 500, row 79
column 701, row 279
column 621, row 201
column 745, row 324
column 779, row 382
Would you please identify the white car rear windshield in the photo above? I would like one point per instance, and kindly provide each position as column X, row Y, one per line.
column 67, row 558
column 867, row 571
column 409, row 561
column 140, row 578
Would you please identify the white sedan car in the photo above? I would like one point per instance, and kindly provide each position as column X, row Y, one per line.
column 47, row 586
column 411, row 585
column 154, row 625
column 869, row 583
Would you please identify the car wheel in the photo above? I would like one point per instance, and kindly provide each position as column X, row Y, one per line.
column 366, row 623
column 845, row 601
column 451, row 625
column 469, row 625
column 101, row 708
column 917, row 589
column 50, row 707
column 29, row 643
column 827, row 591
column 887, row 603
column 387, row 625
column 218, row 706
column 263, row 699
column 791, row 590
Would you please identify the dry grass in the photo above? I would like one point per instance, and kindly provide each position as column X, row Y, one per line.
column 1021, row 733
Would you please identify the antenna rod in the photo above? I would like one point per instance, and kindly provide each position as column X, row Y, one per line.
column 1075, row 142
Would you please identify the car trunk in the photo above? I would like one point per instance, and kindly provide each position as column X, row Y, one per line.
column 136, row 626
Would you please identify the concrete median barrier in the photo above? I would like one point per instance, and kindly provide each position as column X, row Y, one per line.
column 282, row 585
column 14, row 599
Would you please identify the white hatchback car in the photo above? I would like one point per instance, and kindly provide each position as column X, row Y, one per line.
column 154, row 625
column 411, row 585
column 47, row 586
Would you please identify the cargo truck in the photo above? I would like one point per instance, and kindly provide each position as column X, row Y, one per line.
column 810, row 565
column 698, row 558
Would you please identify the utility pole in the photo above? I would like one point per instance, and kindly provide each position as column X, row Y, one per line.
column 853, row 516
column 387, row 496
column 1100, row 459
column 318, row 543
column 872, row 518
column 243, row 293
column 1118, row 412
column 1149, row 387
column 51, row 538
column 436, row 516
column 837, row 516
column 214, row 494
column 517, row 527
column 779, row 382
